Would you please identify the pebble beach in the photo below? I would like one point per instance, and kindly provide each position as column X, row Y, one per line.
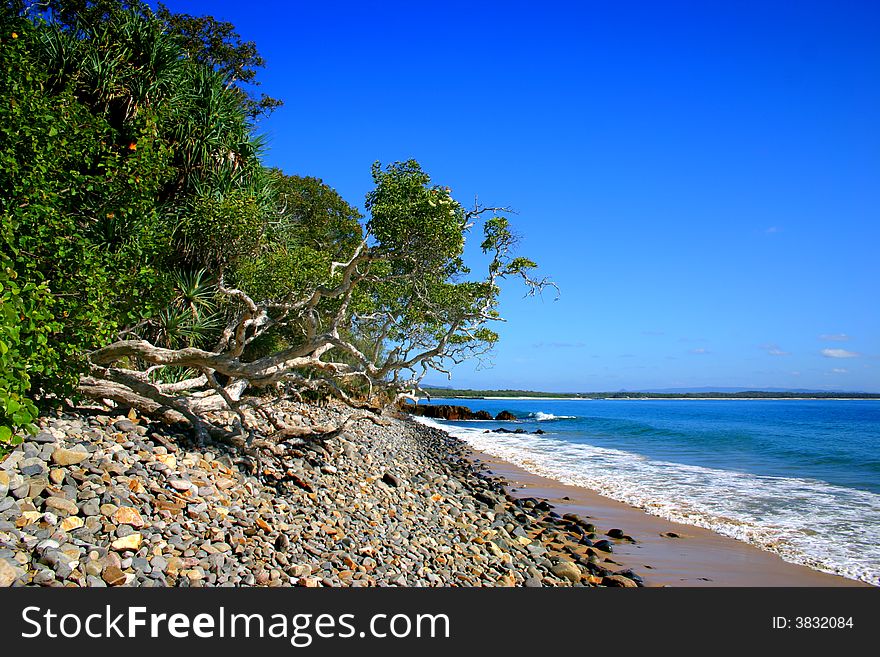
column 96, row 499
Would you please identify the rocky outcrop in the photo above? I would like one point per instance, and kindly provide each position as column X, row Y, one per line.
column 452, row 412
column 442, row 411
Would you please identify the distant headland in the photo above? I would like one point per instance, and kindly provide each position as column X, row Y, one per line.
column 728, row 393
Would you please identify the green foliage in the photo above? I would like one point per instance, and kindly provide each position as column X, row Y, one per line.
column 420, row 229
column 218, row 229
column 206, row 41
column 311, row 226
column 193, row 291
column 82, row 197
column 119, row 66
column 26, row 318
column 418, row 225
column 25, row 324
column 313, row 215
column 214, row 148
column 108, row 133
column 192, row 317
column 282, row 272
column 172, row 374
column 216, row 45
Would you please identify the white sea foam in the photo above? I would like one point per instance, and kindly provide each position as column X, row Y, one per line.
column 545, row 417
column 810, row 522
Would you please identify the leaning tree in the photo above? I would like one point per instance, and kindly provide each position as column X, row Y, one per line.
column 364, row 329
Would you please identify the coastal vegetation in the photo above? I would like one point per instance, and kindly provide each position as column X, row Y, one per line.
column 149, row 257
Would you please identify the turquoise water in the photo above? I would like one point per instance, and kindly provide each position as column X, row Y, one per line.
column 796, row 477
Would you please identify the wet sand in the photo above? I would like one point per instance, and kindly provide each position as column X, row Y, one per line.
column 700, row 557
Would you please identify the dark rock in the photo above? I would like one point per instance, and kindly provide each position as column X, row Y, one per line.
column 440, row 411
column 618, row 581
column 141, row 564
column 629, row 574
column 505, row 416
column 44, row 577
column 390, row 479
column 126, row 426
column 124, row 530
column 576, row 530
column 604, row 545
column 483, row 415
column 597, row 570
column 615, row 533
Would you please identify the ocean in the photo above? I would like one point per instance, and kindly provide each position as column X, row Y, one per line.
column 797, row 477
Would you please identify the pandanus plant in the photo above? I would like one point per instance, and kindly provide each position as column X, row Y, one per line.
column 118, row 66
column 191, row 319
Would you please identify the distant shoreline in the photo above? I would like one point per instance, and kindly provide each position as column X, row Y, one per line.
column 546, row 398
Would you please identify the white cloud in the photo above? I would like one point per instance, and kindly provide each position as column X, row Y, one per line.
column 839, row 353
column 839, row 370
column 773, row 229
column 834, row 337
column 774, row 350
column 699, row 350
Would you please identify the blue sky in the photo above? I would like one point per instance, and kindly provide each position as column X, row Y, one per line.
column 701, row 179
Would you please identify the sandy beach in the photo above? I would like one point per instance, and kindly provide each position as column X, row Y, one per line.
column 698, row 557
